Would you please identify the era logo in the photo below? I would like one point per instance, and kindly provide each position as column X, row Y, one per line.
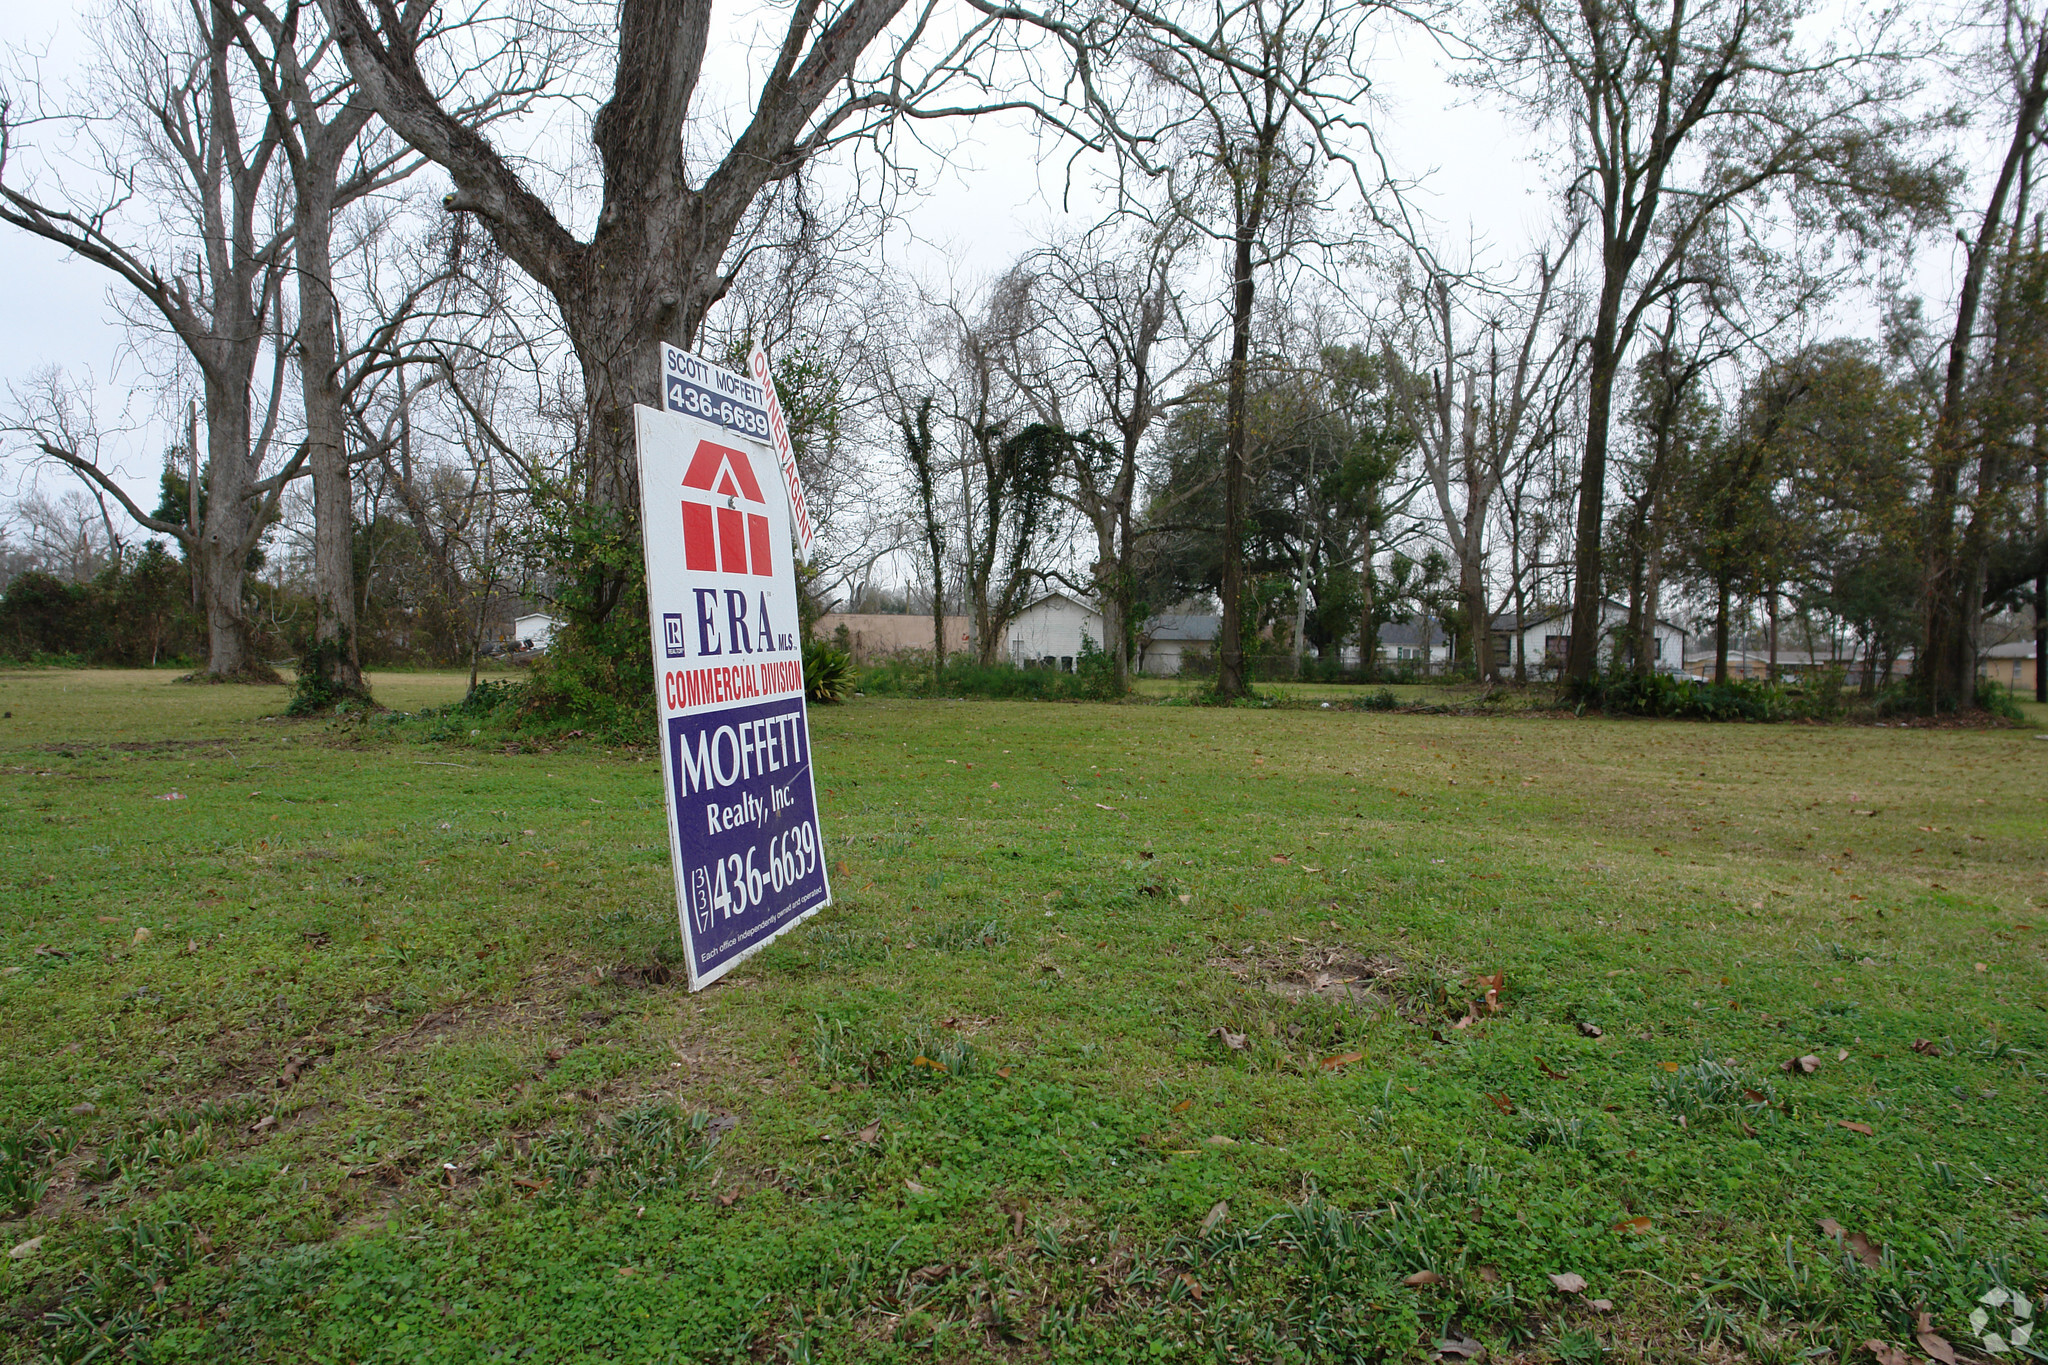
column 672, row 634
column 718, row 537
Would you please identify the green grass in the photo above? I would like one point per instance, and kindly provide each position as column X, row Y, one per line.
column 402, row 1072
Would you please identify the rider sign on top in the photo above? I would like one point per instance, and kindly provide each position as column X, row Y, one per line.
column 748, row 853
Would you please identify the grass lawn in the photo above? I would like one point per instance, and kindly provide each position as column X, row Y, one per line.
column 1137, row 1033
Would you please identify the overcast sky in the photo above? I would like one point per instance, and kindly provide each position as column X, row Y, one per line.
column 984, row 206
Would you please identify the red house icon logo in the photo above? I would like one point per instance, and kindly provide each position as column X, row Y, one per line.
column 718, row 537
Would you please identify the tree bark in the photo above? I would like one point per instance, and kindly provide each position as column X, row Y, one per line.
column 1582, row 655
column 1230, row 679
column 1721, row 594
column 1944, row 672
column 1368, row 642
column 334, row 627
column 652, row 267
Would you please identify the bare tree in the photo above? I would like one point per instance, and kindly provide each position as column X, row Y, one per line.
column 1958, row 536
column 1258, row 96
column 661, row 252
column 1117, row 349
column 1474, row 416
column 187, row 219
column 1676, row 115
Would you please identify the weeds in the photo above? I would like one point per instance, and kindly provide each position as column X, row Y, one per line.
column 916, row 1055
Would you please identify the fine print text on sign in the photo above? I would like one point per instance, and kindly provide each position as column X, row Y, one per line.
column 721, row 588
column 694, row 387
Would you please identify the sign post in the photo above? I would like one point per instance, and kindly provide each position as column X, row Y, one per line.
column 744, row 837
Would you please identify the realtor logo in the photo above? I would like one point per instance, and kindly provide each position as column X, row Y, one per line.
column 718, row 536
column 672, row 633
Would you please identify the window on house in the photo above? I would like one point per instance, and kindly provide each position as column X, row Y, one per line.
column 1556, row 646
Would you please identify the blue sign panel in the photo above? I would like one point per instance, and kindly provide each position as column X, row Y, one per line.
column 694, row 387
column 746, row 824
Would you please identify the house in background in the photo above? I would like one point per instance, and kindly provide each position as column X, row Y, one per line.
column 2010, row 665
column 1546, row 639
column 534, row 630
column 1403, row 643
column 1048, row 633
column 1166, row 642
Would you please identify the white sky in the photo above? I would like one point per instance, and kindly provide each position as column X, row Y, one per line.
column 985, row 207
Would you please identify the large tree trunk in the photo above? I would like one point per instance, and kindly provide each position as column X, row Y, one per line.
column 2041, row 593
column 1952, row 586
column 233, row 518
column 334, row 629
column 1472, row 557
column 1368, row 642
column 1721, row 595
column 1582, row 659
column 1230, row 679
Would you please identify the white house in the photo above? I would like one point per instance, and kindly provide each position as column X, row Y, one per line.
column 1401, row 643
column 1547, row 638
column 1050, row 630
column 1164, row 642
column 534, row 630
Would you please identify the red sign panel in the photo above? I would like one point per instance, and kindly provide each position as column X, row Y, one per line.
column 719, row 537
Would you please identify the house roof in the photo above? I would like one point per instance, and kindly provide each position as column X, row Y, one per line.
column 1408, row 633
column 1543, row 616
column 1068, row 598
column 1189, row 627
column 2011, row 649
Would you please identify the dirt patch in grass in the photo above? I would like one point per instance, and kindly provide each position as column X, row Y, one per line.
column 1338, row 975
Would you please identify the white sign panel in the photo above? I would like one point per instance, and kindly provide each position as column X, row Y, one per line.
column 728, row 662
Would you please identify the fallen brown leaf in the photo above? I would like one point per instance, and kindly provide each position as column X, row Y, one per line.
column 1214, row 1218
column 1422, row 1279
column 1639, row 1224
column 1460, row 1348
column 1342, row 1059
column 1236, row 1042
column 1502, row 1103
column 867, row 1136
column 1927, row 1047
column 914, row 1187
column 1489, row 1275
column 1218, row 1140
column 1860, row 1247
column 1862, row 1128
column 1544, row 1067
column 1887, row 1354
column 1569, row 1283
column 1933, row 1342
column 1183, row 1106
column 1804, row 1066
column 1830, row 1228
column 1589, row 1030
column 1600, row 1305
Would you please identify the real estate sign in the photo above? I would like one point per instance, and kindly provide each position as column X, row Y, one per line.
column 728, row 661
